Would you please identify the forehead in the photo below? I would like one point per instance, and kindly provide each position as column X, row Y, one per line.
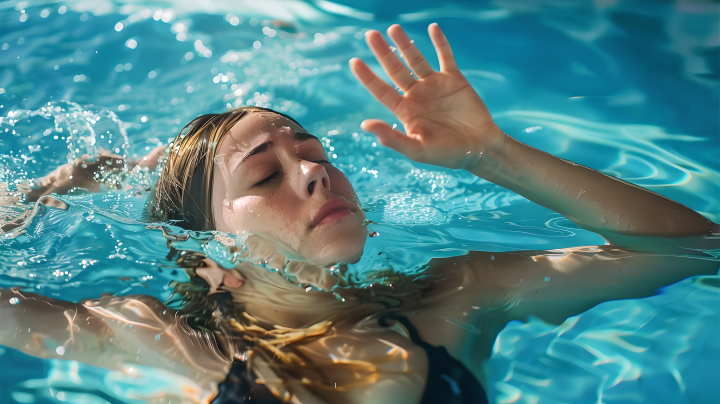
column 246, row 132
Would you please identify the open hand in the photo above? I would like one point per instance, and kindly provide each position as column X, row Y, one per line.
column 445, row 121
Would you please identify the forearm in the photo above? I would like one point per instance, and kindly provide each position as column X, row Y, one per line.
column 115, row 333
column 91, row 175
column 593, row 200
column 46, row 328
column 110, row 332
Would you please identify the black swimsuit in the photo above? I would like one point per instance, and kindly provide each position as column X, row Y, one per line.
column 448, row 382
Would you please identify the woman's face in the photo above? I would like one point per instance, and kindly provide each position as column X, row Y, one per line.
column 272, row 178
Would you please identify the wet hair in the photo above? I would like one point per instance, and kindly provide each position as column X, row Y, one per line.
column 183, row 194
column 246, row 340
column 182, row 197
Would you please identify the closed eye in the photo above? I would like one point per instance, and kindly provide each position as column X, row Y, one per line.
column 268, row 179
column 276, row 173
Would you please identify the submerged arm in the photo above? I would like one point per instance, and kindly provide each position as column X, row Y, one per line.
column 115, row 333
column 554, row 285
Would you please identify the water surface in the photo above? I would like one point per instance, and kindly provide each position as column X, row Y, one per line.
column 628, row 88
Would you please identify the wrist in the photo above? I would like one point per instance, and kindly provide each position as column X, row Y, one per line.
column 496, row 157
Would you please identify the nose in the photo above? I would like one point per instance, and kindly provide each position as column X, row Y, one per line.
column 312, row 176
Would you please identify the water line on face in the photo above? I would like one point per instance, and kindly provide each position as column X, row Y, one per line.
column 231, row 208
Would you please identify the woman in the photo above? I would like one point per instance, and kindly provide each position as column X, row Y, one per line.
column 256, row 172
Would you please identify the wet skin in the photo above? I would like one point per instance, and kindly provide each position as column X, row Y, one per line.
column 277, row 193
column 273, row 178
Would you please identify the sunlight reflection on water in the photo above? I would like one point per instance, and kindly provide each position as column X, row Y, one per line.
column 629, row 91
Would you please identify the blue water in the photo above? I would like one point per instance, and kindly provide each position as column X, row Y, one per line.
column 630, row 89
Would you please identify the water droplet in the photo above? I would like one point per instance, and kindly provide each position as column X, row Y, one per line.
column 60, row 350
column 14, row 301
column 545, row 279
column 373, row 234
column 157, row 337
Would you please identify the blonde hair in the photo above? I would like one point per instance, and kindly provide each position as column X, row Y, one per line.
column 183, row 192
column 182, row 196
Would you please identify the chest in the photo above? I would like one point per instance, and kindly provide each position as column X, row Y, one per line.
column 360, row 364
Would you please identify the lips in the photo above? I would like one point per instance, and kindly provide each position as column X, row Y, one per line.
column 332, row 210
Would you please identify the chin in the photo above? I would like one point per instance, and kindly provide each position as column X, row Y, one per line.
column 336, row 252
column 343, row 244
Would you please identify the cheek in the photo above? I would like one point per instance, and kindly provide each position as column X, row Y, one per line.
column 341, row 186
column 275, row 215
column 239, row 213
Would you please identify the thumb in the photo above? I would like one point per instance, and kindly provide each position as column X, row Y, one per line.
column 390, row 137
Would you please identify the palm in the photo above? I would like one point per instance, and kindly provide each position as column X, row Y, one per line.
column 445, row 120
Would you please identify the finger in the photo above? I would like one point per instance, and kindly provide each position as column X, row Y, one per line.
column 412, row 55
column 390, row 137
column 390, row 62
column 379, row 89
column 442, row 47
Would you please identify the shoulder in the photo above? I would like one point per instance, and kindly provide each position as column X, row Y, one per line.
column 148, row 333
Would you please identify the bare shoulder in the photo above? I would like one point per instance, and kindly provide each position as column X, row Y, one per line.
column 472, row 297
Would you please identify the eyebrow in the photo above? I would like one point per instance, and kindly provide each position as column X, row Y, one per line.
column 298, row 137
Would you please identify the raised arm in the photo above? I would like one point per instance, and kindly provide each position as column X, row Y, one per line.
column 595, row 201
column 447, row 124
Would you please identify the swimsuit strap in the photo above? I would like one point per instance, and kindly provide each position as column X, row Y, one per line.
column 240, row 388
column 448, row 381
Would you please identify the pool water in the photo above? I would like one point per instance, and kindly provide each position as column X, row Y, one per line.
column 626, row 87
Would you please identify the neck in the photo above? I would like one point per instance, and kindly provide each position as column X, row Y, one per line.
column 270, row 298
